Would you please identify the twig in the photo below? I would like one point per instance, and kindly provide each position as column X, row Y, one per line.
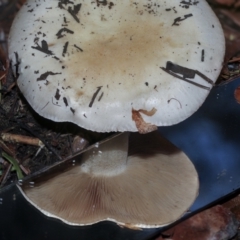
column 15, row 138
column 34, row 134
column 3, row 76
column 234, row 60
column 43, row 141
column 3, row 179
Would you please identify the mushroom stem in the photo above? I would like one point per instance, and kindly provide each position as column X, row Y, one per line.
column 107, row 159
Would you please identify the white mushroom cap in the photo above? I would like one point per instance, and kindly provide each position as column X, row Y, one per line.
column 142, row 64
column 152, row 187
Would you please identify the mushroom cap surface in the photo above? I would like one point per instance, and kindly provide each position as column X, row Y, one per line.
column 80, row 61
column 152, row 187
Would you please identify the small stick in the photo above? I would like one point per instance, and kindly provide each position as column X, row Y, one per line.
column 234, row 60
column 3, row 179
column 8, row 137
column 3, row 76
column 43, row 141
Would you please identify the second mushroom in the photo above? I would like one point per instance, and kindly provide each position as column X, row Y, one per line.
column 147, row 183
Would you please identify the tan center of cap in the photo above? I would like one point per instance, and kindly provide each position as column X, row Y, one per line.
column 94, row 63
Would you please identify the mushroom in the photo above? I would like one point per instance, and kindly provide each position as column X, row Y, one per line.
column 117, row 66
column 151, row 186
column 143, row 64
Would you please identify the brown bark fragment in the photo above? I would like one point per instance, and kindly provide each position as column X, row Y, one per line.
column 237, row 94
column 141, row 125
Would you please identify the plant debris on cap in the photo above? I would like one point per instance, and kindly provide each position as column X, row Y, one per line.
column 116, row 65
column 152, row 186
